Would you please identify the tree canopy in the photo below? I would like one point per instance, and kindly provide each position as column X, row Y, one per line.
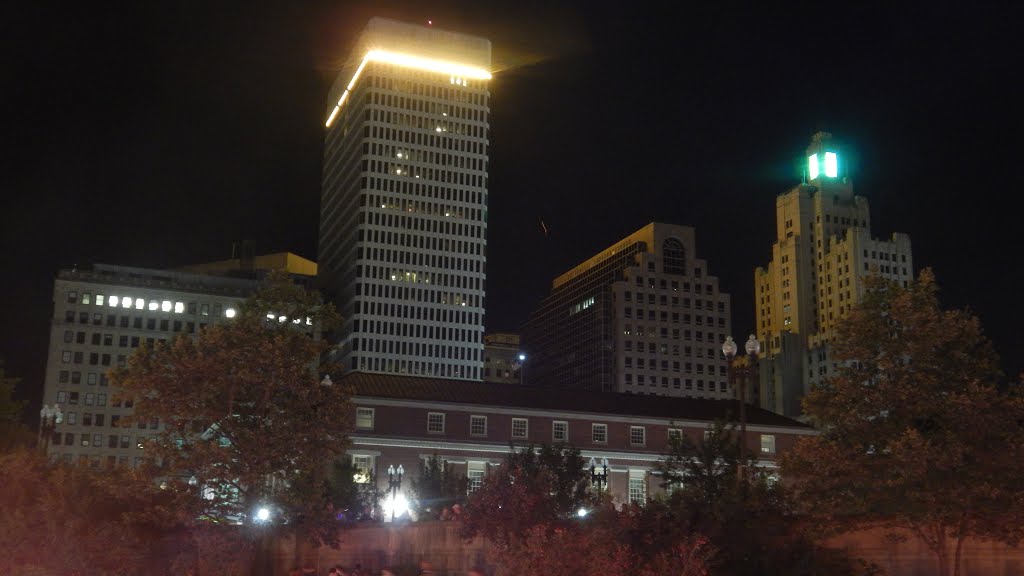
column 915, row 431
column 248, row 421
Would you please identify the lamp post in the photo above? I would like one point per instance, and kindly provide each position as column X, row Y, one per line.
column 600, row 479
column 394, row 484
column 522, row 368
column 753, row 348
column 48, row 420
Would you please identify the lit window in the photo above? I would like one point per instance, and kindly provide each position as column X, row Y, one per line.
column 361, row 466
column 812, row 166
column 768, row 443
column 140, row 303
column 519, row 427
column 126, row 302
column 113, row 301
column 637, row 435
column 166, row 306
column 559, row 431
column 86, row 298
column 478, row 425
column 364, row 418
column 599, row 433
column 230, row 312
column 154, row 305
column 435, row 422
column 99, row 299
column 179, row 307
column 831, row 165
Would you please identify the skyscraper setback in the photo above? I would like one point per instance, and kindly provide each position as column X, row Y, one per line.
column 822, row 252
column 403, row 222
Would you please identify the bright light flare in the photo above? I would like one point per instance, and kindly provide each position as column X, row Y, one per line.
column 812, row 166
column 410, row 61
column 582, row 512
column 263, row 514
column 831, row 164
column 397, row 505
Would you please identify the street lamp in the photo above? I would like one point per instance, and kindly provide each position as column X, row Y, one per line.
column 522, row 368
column 48, row 420
column 394, row 484
column 600, row 479
column 753, row 348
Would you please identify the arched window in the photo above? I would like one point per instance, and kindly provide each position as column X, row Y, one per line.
column 673, row 257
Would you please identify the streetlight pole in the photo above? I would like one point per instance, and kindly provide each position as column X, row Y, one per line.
column 522, row 368
column 48, row 420
column 600, row 479
column 394, row 484
column 753, row 348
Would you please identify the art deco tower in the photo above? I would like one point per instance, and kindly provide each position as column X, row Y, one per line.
column 822, row 252
column 403, row 213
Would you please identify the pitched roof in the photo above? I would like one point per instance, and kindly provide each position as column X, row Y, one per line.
column 470, row 392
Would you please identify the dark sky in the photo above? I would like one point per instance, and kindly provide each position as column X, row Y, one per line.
column 159, row 134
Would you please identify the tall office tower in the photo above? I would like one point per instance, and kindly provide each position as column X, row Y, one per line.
column 820, row 257
column 403, row 213
column 642, row 316
column 102, row 314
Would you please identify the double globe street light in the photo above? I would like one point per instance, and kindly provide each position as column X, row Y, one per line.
column 49, row 417
column 753, row 348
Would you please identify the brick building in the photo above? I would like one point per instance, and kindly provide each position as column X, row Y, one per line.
column 406, row 420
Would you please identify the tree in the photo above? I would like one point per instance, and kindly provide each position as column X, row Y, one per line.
column 745, row 514
column 353, row 501
column 533, row 487
column 14, row 433
column 437, row 488
column 915, row 432
column 248, row 422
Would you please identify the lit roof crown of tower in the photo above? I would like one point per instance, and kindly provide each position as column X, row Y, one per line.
column 822, row 158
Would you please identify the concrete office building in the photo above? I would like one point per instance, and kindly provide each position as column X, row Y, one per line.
column 503, row 358
column 822, row 252
column 102, row 314
column 643, row 316
column 403, row 222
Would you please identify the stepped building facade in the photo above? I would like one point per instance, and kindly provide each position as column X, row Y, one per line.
column 822, row 252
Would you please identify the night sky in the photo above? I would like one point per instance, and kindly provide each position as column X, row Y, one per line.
column 160, row 134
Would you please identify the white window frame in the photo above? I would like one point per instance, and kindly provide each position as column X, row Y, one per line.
column 674, row 433
column 439, row 417
column 565, row 431
column 361, row 463
column 770, row 448
column 594, row 427
column 636, row 432
column 362, row 413
column 637, row 488
column 477, row 419
column 525, row 425
column 475, row 472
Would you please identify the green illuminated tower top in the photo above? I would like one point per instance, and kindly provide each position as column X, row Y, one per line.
column 826, row 165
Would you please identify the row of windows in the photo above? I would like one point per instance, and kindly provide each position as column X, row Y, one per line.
column 96, row 440
column 74, row 377
column 424, row 297
column 136, row 322
column 676, row 302
column 114, row 301
column 676, row 366
column 415, row 367
column 88, row 399
column 95, row 460
column 653, row 315
column 400, row 79
column 663, row 332
column 411, row 213
column 677, row 383
column 520, row 427
column 405, row 348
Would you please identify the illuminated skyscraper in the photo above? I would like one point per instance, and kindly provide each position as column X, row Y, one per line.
column 643, row 316
column 403, row 208
column 821, row 255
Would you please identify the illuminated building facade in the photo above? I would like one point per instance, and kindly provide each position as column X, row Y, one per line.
column 102, row 314
column 643, row 316
column 822, row 252
column 403, row 218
